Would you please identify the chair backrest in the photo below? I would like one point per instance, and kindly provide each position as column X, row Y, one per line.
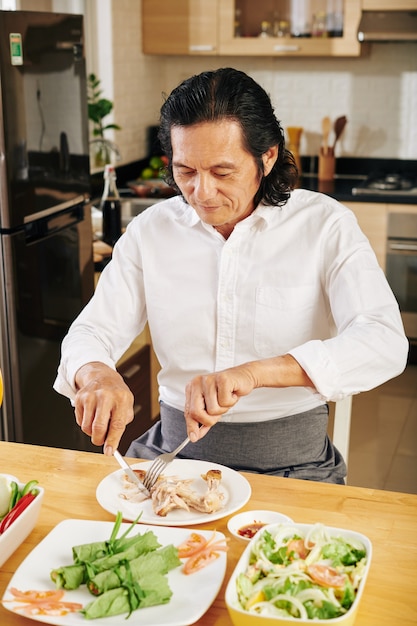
column 341, row 427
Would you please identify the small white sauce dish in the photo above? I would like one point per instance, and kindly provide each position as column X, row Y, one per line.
column 243, row 522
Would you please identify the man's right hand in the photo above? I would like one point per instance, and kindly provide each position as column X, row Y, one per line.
column 103, row 405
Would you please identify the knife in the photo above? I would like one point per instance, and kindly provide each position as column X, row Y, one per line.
column 130, row 472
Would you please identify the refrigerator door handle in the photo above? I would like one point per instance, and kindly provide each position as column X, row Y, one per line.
column 54, row 223
column 81, row 199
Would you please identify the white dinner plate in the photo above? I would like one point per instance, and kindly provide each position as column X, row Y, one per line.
column 235, row 487
column 192, row 594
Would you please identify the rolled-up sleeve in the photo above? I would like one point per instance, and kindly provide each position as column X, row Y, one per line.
column 369, row 346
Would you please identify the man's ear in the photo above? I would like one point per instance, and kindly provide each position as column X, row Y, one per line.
column 269, row 157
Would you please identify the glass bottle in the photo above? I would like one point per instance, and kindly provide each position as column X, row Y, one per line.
column 237, row 26
column 300, row 18
column 335, row 18
column 265, row 29
column 111, row 207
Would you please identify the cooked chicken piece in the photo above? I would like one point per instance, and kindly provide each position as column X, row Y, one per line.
column 140, row 473
column 130, row 491
column 213, row 478
column 167, row 494
column 172, row 493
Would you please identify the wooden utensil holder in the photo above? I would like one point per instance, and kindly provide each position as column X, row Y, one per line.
column 327, row 164
column 294, row 138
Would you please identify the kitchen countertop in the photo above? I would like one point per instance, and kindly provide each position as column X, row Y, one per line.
column 341, row 189
column 350, row 172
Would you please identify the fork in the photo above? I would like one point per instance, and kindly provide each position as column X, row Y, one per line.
column 160, row 463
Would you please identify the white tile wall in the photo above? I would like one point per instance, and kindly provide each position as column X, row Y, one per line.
column 377, row 92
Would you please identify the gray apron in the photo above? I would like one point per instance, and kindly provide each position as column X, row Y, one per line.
column 296, row 446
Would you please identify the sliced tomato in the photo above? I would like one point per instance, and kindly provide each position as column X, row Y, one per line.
column 200, row 551
column 200, row 560
column 51, row 608
column 37, row 596
column 43, row 602
column 204, row 557
column 192, row 545
column 326, row 576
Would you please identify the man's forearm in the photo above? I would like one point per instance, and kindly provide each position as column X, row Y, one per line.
column 279, row 371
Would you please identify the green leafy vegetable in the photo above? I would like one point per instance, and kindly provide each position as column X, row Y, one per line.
column 124, row 573
column 159, row 561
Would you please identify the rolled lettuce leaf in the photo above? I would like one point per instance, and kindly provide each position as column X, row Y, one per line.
column 158, row 562
column 90, row 551
column 69, row 576
column 127, row 573
column 72, row 576
column 144, row 543
column 149, row 591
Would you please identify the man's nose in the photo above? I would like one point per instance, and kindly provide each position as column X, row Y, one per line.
column 205, row 187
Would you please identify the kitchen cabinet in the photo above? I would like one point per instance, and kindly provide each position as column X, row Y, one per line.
column 142, row 340
column 202, row 27
column 179, row 27
column 251, row 16
column 373, row 220
column 389, row 5
column 136, row 372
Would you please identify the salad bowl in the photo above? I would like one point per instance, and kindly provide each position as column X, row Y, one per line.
column 293, row 573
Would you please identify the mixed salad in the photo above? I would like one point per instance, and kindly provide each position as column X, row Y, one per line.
column 305, row 575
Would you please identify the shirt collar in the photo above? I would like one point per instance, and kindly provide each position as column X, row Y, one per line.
column 260, row 218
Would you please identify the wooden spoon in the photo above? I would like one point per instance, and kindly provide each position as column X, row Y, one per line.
column 338, row 128
column 326, row 126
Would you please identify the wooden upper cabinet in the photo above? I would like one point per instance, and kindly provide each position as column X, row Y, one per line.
column 252, row 15
column 179, row 27
column 389, row 5
column 207, row 27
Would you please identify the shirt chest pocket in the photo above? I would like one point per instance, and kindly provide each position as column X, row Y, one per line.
column 284, row 318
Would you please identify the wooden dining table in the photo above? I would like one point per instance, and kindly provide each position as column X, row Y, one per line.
column 388, row 519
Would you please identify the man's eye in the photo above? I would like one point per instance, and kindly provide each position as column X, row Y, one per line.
column 185, row 172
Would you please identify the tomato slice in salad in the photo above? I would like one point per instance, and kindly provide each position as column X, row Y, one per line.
column 325, row 575
column 296, row 549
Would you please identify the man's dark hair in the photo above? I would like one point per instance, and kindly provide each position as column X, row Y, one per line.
column 227, row 93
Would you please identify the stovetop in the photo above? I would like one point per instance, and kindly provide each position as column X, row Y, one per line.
column 388, row 184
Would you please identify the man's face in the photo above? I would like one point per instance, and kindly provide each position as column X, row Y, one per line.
column 214, row 172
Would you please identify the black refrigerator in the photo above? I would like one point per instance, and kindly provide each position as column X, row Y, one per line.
column 47, row 269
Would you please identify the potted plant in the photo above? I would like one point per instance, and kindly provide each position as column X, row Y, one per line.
column 98, row 109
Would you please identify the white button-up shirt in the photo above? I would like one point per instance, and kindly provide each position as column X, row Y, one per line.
column 301, row 279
